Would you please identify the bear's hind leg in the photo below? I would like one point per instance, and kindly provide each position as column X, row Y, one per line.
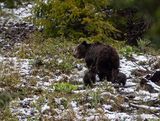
column 109, row 76
column 101, row 76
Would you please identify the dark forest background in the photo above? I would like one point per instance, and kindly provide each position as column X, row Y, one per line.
column 132, row 21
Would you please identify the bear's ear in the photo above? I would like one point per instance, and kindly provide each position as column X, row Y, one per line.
column 84, row 43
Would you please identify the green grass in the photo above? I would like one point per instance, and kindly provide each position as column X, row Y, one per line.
column 5, row 98
column 57, row 50
column 9, row 77
column 6, row 115
column 64, row 87
column 50, row 55
column 95, row 99
column 127, row 51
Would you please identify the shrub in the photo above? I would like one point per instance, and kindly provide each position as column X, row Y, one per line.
column 5, row 98
column 127, row 51
column 64, row 87
column 73, row 18
column 9, row 77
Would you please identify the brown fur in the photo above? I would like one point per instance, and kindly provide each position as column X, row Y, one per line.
column 89, row 78
column 101, row 58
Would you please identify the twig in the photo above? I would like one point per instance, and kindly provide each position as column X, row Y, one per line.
column 150, row 109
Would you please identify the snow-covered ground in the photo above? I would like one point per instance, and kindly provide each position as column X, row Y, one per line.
column 23, row 108
column 127, row 103
column 21, row 12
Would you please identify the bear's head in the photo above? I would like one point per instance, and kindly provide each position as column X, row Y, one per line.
column 80, row 50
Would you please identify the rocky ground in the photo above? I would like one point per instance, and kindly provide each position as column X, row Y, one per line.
column 39, row 98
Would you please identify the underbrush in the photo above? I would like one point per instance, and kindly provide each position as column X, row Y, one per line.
column 6, row 115
column 64, row 87
column 56, row 54
column 51, row 53
column 9, row 77
column 51, row 56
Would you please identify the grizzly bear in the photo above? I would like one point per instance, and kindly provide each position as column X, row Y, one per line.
column 101, row 58
column 89, row 78
column 155, row 77
column 121, row 79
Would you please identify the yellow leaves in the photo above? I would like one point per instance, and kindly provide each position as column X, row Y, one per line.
column 74, row 18
column 86, row 20
column 75, row 12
